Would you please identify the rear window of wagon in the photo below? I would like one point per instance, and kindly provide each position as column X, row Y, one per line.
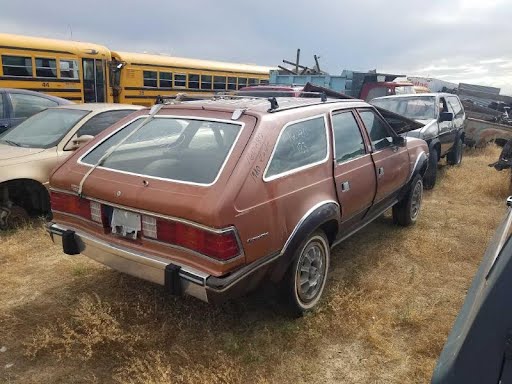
column 173, row 148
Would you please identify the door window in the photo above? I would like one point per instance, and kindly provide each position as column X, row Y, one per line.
column 100, row 81
column 377, row 129
column 26, row 105
column 2, row 106
column 102, row 121
column 348, row 142
column 300, row 145
column 17, row 66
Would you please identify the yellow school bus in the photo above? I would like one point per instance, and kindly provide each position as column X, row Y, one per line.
column 87, row 72
column 69, row 69
column 140, row 78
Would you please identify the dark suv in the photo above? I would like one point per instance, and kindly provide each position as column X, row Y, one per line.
column 444, row 120
column 211, row 197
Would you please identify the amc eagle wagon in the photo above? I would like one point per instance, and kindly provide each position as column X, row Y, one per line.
column 210, row 198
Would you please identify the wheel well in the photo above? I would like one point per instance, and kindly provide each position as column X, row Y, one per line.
column 331, row 230
column 26, row 193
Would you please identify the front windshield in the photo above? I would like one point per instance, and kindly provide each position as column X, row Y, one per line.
column 414, row 107
column 43, row 130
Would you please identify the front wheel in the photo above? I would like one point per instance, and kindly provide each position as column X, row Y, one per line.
column 305, row 280
column 407, row 210
column 454, row 157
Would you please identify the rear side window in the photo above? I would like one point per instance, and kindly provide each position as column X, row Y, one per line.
column 348, row 142
column 17, row 66
column 378, row 131
column 27, row 105
column 456, row 107
column 102, row 121
column 300, row 145
column 184, row 150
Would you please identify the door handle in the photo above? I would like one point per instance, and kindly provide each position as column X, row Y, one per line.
column 380, row 171
column 345, row 186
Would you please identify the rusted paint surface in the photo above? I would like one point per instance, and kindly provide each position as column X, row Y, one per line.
column 481, row 132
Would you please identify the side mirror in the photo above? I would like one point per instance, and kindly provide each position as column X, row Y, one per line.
column 78, row 142
column 399, row 141
column 445, row 116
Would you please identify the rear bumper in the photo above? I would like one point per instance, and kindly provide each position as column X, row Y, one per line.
column 178, row 279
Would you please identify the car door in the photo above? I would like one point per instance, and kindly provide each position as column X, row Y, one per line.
column 4, row 113
column 446, row 135
column 391, row 161
column 354, row 171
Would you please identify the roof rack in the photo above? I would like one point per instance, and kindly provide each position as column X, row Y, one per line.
column 180, row 97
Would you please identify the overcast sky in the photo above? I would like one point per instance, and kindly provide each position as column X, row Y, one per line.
column 453, row 40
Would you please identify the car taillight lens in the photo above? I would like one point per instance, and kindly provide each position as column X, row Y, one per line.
column 220, row 246
column 71, row 204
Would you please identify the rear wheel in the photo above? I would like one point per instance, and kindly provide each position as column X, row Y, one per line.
column 454, row 157
column 305, row 280
column 430, row 177
column 406, row 211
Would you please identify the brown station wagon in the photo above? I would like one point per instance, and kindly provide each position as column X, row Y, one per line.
column 211, row 197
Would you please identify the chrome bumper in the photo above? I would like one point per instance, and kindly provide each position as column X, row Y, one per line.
column 179, row 279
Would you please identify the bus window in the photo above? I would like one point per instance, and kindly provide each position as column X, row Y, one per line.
column 68, row 69
column 46, row 67
column 180, row 80
column 253, row 81
column 150, row 79
column 219, row 83
column 206, row 82
column 232, row 83
column 165, row 80
column 17, row 66
column 242, row 83
column 193, row 81
column 100, row 81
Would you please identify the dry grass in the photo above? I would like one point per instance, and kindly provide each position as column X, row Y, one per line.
column 392, row 296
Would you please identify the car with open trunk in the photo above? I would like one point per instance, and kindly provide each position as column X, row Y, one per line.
column 212, row 197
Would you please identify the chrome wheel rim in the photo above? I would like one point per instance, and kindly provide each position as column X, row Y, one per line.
column 311, row 272
column 417, row 194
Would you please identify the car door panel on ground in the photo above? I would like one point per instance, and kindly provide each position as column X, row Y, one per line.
column 391, row 161
column 446, row 135
column 354, row 171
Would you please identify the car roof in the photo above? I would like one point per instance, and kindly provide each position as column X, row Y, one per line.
column 431, row 94
column 262, row 106
column 99, row 107
column 58, row 100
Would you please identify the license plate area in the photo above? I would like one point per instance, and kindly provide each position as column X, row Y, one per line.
column 125, row 224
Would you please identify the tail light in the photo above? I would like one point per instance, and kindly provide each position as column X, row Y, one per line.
column 218, row 245
column 74, row 205
column 71, row 204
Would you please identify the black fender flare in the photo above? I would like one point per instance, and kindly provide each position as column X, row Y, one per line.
column 324, row 215
column 433, row 143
